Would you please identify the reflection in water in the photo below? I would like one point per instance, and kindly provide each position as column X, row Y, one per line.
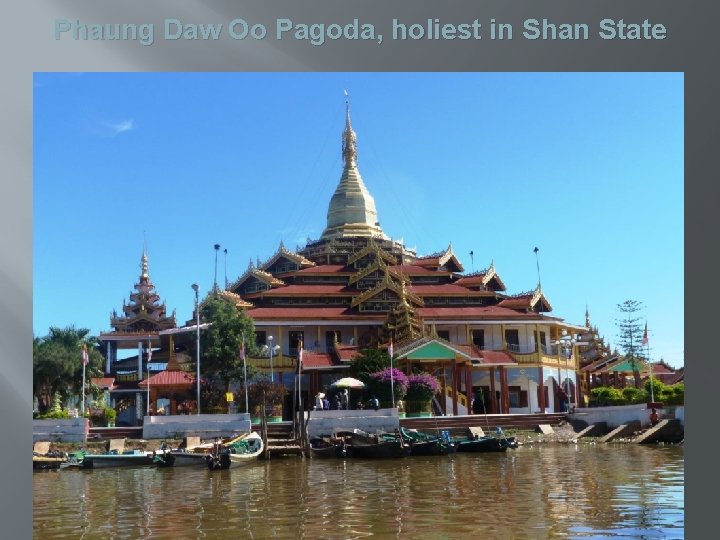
column 559, row 491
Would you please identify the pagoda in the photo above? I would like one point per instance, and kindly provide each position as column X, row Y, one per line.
column 355, row 287
column 138, row 327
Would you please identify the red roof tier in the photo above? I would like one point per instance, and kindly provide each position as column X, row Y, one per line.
column 261, row 313
column 169, row 378
column 308, row 290
column 486, row 312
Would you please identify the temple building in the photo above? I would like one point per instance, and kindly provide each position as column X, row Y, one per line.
column 145, row 327
column 354, row 287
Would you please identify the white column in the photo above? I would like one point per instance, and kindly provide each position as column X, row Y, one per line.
column 140, row 370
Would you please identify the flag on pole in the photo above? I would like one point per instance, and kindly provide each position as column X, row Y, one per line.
column 645, row 336
column 300, row 355
column 242, row 350
column 390, row 349
column 149, row 353
column 85, row 356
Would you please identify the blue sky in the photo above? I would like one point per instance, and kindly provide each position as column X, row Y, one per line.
column 588, row 167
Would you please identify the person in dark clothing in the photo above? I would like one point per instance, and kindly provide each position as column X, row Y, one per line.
column 337, row 404
column 562, row 399
column 374, row 403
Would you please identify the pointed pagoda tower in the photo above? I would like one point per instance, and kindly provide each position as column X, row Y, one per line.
column 351, row 212
column 139, row 324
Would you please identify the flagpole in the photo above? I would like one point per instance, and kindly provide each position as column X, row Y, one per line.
column 392, row 381
column 647, row 348
column 85, row 360
column 82, row 410
column 247, row 408
column 148, row 379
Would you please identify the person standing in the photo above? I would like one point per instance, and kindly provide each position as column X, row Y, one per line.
column 345, row 400
column 319, row 401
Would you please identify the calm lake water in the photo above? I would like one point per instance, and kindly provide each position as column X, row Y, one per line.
column 541, row 491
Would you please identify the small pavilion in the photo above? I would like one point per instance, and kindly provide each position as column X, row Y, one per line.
column 173, row 384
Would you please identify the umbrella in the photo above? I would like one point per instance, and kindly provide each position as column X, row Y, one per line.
column 348, row 382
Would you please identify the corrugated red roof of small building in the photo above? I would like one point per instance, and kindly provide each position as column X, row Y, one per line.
column 169, row 378
column 313, row 360
column 496, row 357
column 347, row 352
column 103, row 382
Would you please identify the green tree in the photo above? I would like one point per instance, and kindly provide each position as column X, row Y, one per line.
column 220, row 343
column 367, row 362
column 630, row 333
column 58, row 367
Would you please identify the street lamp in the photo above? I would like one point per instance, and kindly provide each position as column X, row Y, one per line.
column 270, row 348
column 567, row 343
column 217, row 248
column 197, row 343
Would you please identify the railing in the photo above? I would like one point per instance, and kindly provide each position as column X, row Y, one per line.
column 521, row 349
column 461, row 398
column 552, row 350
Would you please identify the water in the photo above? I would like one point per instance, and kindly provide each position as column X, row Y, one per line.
column 544, row 491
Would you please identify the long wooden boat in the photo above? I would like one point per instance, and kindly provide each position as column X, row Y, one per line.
column 425, row 444
column 361, row 444
column 241, row 451
column 497, row 442
column 128, row 458
column 328, row 447
column 49, row 461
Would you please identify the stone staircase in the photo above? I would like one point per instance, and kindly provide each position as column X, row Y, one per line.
column 281, row 440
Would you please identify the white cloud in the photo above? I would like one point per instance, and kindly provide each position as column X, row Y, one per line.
column 121, row 127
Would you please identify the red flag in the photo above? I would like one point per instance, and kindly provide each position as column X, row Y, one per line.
column 645, row 336
column 85, row 356
column 390, row 349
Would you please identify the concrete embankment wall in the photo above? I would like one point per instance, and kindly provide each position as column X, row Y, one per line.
column 624, row 414
column 69, row 430
column 205, row 426
column 326, row 422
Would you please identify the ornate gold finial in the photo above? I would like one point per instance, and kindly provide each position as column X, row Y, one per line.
column 349, row 139
column 144, row 266
column 587, row 316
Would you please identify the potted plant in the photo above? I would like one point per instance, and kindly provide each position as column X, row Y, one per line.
column 420, row 391
column 110, row 415
column 379, row 384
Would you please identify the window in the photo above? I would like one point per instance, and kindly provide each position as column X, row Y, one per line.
column 444, row 334
column 542, row 339
column 296, row 336
column 478, row 338
column 260, row 338
column 512, row 338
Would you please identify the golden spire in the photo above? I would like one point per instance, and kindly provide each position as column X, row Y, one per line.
column 349, row 139
column 144, row 276
column 352, row 209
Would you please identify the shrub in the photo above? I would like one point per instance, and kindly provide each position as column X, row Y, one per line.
column 379, row 385
column 604, row 395
column 634, row 395
column 110, row 415
column 421, row 389
column 274, row 396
